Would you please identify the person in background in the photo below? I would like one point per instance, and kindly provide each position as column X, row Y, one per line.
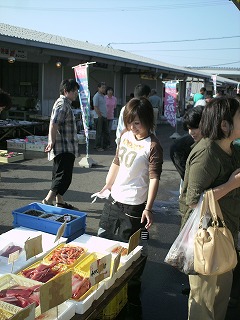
column 181, row 147
column 133, row 181
column 214, row 163
column 203, row 102
column 200, row 95
column 219, row 94
column 141, row 90
column 62, row 143
column 157, row 105
column 111, row 103
column 99, row 103
column 5, row 104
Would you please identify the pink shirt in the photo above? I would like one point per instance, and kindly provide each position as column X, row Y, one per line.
column 111, row 103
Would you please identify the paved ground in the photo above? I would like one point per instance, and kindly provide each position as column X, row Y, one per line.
column 28, row 181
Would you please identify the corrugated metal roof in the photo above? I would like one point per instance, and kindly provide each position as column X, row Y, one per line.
column 43, row 40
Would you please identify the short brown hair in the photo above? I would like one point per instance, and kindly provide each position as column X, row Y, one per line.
column 141, row 108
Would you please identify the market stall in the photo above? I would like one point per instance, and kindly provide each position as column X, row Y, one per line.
column 87, row 272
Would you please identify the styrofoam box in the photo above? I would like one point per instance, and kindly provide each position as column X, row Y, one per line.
column 104, row 246
column 36, row 146
column 81, row 138
column 9, row 280
column 16, row 144
column 83, row 305
column 4, row 245
column 46, row 225
column 16, row 157
column 100, row 290
column 36, row 138
column 110, row 281
column 83, row 269
column 128, row 259
column 64, row 311
column 18, row 236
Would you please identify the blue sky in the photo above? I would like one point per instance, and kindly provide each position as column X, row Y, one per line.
column 138, row 24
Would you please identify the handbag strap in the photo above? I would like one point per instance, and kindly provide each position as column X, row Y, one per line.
column 215, row 207
column 209, row 204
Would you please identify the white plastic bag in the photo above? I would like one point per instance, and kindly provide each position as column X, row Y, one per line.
column 180, row 254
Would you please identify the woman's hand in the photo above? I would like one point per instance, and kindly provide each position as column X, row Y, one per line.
column 147, row 216
column 106, row 187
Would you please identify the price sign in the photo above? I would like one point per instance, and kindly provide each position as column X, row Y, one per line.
column 33, row 246
column 13, row 257
column 67, row 218
column 27, row 313
column 61, row 231
column 116, row 263
column 56, row 291
column 134, row 241
column 100, row 269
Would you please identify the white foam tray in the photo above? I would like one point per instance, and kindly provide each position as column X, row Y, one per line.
column 64, row 311
column 21, row 234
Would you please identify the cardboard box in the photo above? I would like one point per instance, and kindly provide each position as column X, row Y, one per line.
column 46, row 225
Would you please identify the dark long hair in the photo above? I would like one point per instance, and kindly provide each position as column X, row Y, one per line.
column 216, row 111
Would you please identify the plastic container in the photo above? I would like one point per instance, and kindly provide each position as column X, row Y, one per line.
column 86, row 300
column 114, row 306
column 60, row 268
column 10, row 280
column 81, row 257
column 75, row 227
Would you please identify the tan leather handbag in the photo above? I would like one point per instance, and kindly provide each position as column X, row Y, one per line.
column 214, row 251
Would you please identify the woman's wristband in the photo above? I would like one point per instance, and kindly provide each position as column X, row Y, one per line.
column 148, row 210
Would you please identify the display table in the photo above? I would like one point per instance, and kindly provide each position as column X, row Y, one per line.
column 109, row 294
column 7, row 129
column 96, row 301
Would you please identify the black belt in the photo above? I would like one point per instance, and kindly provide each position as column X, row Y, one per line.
column 127, row 207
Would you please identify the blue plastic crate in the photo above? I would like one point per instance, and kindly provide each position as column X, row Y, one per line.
column 74, row 227
column 75, row 235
